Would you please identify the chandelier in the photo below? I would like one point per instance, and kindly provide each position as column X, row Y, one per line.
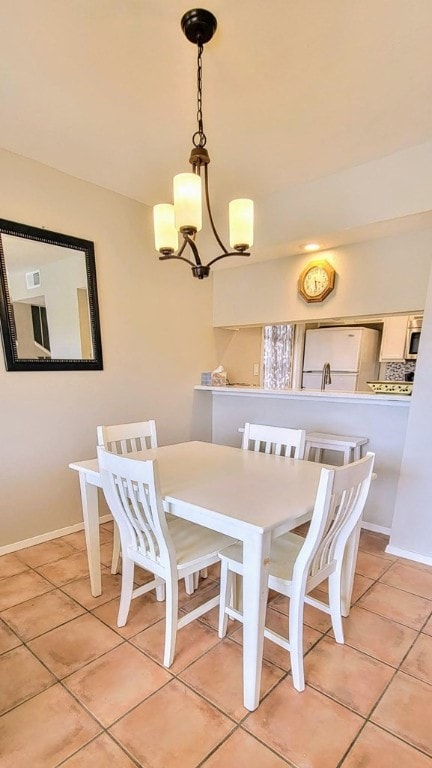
column 185, row 216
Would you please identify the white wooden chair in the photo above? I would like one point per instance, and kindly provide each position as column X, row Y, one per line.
column 126, row 438
column 282, row 441
column 121, row 439
column 168, row 547
column 298, row 565
column 348, row 445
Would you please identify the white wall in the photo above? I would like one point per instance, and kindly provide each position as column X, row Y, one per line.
column 382, row 276
column 156, row 333
column 412, row 522
column 239, row 352
column 61, row 281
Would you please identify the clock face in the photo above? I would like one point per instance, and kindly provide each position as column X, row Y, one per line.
column 316, row 281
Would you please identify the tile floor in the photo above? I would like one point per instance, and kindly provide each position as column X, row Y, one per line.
column 76, row 691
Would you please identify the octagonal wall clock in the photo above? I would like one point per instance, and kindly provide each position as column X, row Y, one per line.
column 317, row 280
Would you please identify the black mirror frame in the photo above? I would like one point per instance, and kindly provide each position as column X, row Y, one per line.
column 13, row 362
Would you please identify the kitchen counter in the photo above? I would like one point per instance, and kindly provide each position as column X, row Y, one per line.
column 310, row 394
column 382, row 419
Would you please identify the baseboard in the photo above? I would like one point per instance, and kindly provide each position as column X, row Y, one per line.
column 376, row 528
column 408, row 555
column 8, row 548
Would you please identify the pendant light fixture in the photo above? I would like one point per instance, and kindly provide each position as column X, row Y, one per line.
column 185, row 216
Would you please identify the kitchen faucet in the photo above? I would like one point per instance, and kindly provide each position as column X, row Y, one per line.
column 326, row 377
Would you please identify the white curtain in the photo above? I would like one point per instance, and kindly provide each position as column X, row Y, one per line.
column 278, row 347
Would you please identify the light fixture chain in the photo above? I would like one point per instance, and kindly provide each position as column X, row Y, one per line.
column 199, row 138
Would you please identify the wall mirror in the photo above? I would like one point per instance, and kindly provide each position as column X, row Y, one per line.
column 49, row 311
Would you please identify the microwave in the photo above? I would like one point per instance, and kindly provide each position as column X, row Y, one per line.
column 412, row 340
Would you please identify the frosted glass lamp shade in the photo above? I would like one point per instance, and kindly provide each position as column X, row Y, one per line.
column 166, row 235
column 241, row 216
column 187, row 202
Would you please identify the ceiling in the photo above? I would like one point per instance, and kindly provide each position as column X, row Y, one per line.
column 25, row 255
column 294, row 92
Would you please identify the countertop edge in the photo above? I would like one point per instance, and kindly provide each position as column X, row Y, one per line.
column 297, row 394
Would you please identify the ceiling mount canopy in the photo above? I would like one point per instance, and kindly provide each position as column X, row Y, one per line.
column 185, row 216
column 199, row 26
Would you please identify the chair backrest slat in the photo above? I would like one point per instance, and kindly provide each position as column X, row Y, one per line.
column 137, row 528
column 131, row 488
column 281, row 441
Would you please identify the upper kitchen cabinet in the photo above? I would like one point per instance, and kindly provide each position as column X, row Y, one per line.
column 393, row 338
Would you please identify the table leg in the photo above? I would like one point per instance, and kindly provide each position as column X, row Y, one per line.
column 256, row 554
column 90, row 507
column 348, row 569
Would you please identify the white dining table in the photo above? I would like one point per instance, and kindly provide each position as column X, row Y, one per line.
column 249, row 496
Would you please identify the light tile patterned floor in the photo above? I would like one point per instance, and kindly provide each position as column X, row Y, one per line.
column 78, row 692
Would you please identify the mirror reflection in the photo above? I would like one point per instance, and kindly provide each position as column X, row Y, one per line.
column 49, row 311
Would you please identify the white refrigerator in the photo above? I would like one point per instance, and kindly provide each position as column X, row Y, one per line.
column 352, row 353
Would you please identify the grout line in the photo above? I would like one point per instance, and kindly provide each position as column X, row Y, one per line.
column 349, row 748
column 402, row 739
column 104, row 732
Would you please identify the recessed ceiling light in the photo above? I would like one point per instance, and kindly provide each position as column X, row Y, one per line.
column 312, row 247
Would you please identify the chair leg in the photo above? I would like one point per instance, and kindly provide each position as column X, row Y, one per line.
column 160, row 592
column 236, row 597
column 171, row 619
column 226, row 581
column 192, row 581
column 296, row 640
column 126, row 591
column 335, row 605
column 115, row 562
column 189, row 583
